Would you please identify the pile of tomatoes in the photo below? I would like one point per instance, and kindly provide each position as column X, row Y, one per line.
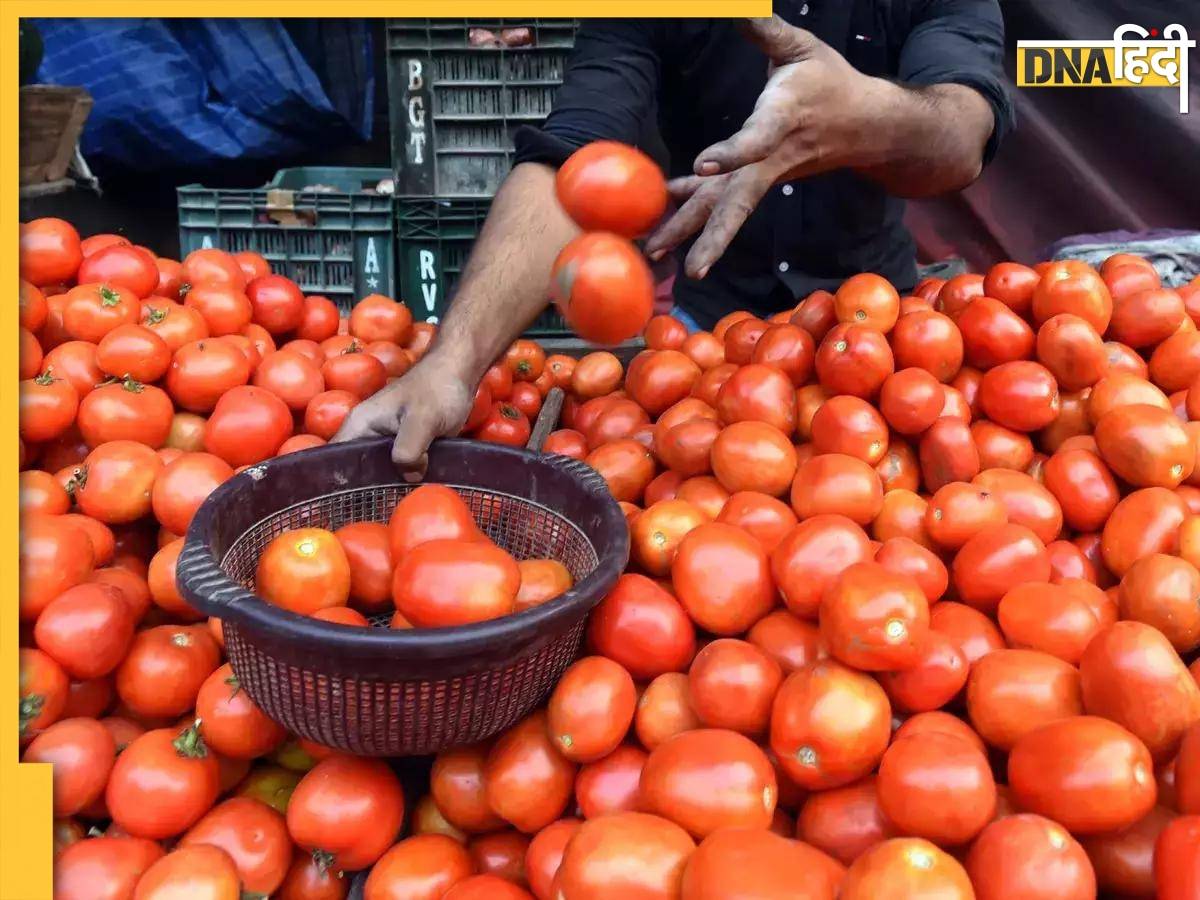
column 909, row 612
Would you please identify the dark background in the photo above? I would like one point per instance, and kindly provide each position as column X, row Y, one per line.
column 1080, row 160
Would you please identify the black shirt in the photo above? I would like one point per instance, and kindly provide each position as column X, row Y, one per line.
column 681, row 85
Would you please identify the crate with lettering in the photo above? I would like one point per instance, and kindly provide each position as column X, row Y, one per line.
column 435, row 237
column 329, row 229
column 458, row 90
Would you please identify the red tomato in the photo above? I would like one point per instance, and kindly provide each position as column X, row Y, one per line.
column 87, row 629
column 624, row 855
column 304, row 570
column 722, row 578
column 212, row 266
column 225, row 308
column 591, row 709
column 54, row 556
column 608, row 186
column 603, row 287
column 103, row 868
column 854, row 359
column 906, row 867
column 812, row 555
column 123, row 265
column 276, row 303
column 642, row 627
column 247, row 426
column 231, row 723
column 873, row 619
column 610, row 784
column 505, row 424
column 526, row 780
column 81, row 752
column 325, row 412
column 253, row 834
column 253, row 265
column 453, row 582
column 126, row 411
column 1029, row 856
column 1177, row 859
column 844, row 822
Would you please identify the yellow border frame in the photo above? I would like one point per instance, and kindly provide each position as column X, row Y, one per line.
column 26, row 818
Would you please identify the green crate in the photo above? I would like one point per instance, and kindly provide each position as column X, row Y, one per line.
column 435, row 237
column 338, row 243
column 454, row 107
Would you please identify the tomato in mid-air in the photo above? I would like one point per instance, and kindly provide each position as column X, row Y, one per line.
column 610, row 186
column 603, row 287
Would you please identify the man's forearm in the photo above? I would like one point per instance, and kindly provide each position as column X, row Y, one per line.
column 930, row 140
column 506, row 280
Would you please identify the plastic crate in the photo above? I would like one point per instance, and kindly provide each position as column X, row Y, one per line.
column 435, row 238
column 337, row 243
column 454, row 107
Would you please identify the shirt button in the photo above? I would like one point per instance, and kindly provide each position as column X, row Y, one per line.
column 783, row 267
column 804, row 9
column 787, row 190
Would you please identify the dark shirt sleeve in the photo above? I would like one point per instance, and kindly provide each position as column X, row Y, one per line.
column 960, row 42
column 609, row 92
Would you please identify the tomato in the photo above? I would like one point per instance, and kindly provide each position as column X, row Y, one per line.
column 211, row 266
column 664, row 710
column 844, row 822
column 447, row 582
column 835, row 483
column 741, row 338
column 276, row 303
column 1013, row 692
column 721, row 575
column 247, row 426
column 1161, row 591
column 602, row 287
column 348, row 807
column 50, row 251
column 656, row 534
column 162, row 783
column 854, row 359
column 948, row 453
column 318, row 319
column 1072, row 350
column 1087, row 773
column 292, row 377
column 183, row 485
column 753, row 456
column 325, row 412
column 995, row 560
column 1124, row 860
column 304, row 570
column 928, row 340
column 664, row 332
column 830, row 725
column 1021, row 395
column 706, row 351
column 175, row 325
column 906, row 867
column 500, row 855
column 431, row 512
column 1031, row 857
column 225, row 308
column 43, row 689
column 661, row 379
column 849, row 425
column 1144, row 522
column 253, row 265
column 103, row 868
column 54, row 556
column 1084, row 487
column 133, row 352
column 764, row 518
column 936, row 786
column 731, row 685
column 165, row 668
column 87, row 629
column 958, row 291
column 788, row 348
column 812, row 555
column 960, row 510
column 544, row 855
column 126, row 411
column 993, row 334
column 591, row 709
column 1012, row 284
column 791, row 642
column 526, row 780
column 1072, row 286
column 505, row 424
column 609, row 186
column 486, row 887
column 197, row 871
column 255, row 837
column 202, row 372
column 231, row 723
column 625, row 854
column 47, row 407
column 1174, row 364
column 936, row 678
column 760, row 393
column 1130, row 674
column 739, row 862
column 29, row 355
column 1047, row 617
column 867, row 299
column 610, row 784
column 456, row 783
column 367, row 546
column 1145, row 446
column 81, row 752
column 121, row 265
column 874, row 619
column 941, row 723
column 1144, row 318
column 642, row 627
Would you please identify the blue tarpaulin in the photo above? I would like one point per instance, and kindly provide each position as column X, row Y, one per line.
column 193, row 92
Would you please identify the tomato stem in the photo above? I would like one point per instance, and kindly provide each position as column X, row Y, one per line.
column 233, row 682
column 323, row 860
column 109, row 297
column 190, row 743
column 45, row 378
column 31, row 708
column 155, row 315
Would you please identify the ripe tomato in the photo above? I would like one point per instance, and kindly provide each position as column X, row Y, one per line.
column 527, row 782
column 247, row 426
column 276, row 303
column 325, row 412
column 1124, row 860
column 812, row 555
column 50, row 251
column 739, row 862
column 664, row 710
column 854, row 359
column 849, row 425
column 1145, row 445
column 591, row 709
column 661, row 379
column 318, row 319
column 1087, row 773
column 349, row 807
column 993, row 334
column 255, row 837
column 1144, row 522
column 625, row 465
column 1048, row 617
column 1130, row 674
column 103, row 868
column 431, row 512
column 1012, row 284
column 1177, row 859
column 1021, row 395
column 54, row 556
column 656, row 534
column 500, row 855
column 81, row 752
column 454, row 582
column 505, row 424
column 31, row 307
column 753, row 456
column 609, row 186
column 760, row 393
column 603, row 287
column 625, row 854
column 355, row 371
column 197, row 871
column 830, row 725
column 844, row 822
column 791, row 642
column 911, row 400
column 175, row 324
column 544, row 855
column 304, row 570
column 211, row 266
column 47, row 407
column 1029, row 856
column 1072, row 286
column 741, row 338
column 642, row 627
column 1013, row 692
column 906, row 867
column 722, row 577
column 867, row 299
column 542, row 580
column 873, row 619
column 834, row 483
column 731, row 685
column 764, row 518
column 610, row 784
column 1072, row 350
column 183, row 485
column 162, row 783
column 456, row 784
column 290, row 376
column 613, row 420
column 225, row 308
column 133, row 352
column 935, row 679
column 423, row 867
column 928, row 340
column 87, row 629
column 116, row 481
column 230, row 722
column 121, row 265
column 202, row 372
column 994, row 561
column 253, row 265
column 486, row 887
column 938, row 787
column 164, row 669
column 43, row 688
column 368, row 551
column 29, row 355
column 126, row 411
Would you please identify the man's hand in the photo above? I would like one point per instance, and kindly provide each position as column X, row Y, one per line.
column 429, row 401
column 814, row 115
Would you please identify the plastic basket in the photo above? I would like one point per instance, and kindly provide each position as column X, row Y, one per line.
column 381, row 692
column 337, row 243
column 435, row 237
column 454, row 107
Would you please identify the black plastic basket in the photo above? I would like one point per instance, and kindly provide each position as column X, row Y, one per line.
column 377, row 691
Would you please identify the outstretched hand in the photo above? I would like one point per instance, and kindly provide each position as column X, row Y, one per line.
column 814, row 115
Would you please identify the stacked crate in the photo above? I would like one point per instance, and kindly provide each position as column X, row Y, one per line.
column 456, row 100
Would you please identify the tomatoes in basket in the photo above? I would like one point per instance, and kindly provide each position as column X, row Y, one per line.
column 453, row 582
column 304, row 570
column 603, row 287
column 428, row 513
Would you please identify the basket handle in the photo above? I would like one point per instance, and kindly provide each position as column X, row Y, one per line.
column 547, row 420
